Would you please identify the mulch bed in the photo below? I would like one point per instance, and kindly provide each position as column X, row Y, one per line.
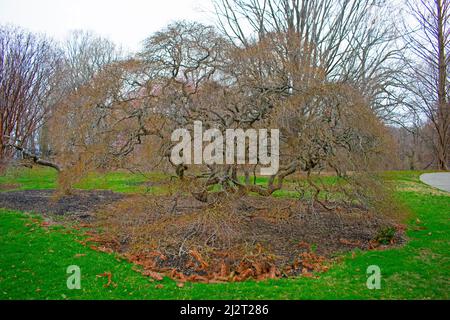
column 285, row 236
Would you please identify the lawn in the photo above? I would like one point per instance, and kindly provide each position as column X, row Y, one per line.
column 34, row 257
column 45, row 178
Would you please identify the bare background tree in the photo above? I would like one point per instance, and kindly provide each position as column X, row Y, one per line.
column 349, row 40
column 428, row 73
column 28, row 64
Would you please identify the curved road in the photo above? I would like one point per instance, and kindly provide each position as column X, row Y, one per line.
column 439, row 180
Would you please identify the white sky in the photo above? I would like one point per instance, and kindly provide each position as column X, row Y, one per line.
column 126, row 22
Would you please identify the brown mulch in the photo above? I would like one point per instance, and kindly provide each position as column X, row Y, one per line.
column 240, row 238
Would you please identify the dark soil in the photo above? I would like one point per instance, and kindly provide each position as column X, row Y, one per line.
column 80, row 205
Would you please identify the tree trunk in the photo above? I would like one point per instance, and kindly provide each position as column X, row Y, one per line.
column 443, row 113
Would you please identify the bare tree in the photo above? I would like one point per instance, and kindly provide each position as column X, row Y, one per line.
column 428, row 72
column 188, row 72
column 349, row 40
column 27, row 67
column 86, row 54
column 258, row 85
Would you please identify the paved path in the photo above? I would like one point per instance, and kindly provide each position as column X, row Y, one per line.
column 439, row 180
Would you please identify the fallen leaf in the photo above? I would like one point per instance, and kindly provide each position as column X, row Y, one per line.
column 154, row 275
column 109, row 275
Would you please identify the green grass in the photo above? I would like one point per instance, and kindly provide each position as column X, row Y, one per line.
column 46, row 178
column 33, row 259
column 28, row 179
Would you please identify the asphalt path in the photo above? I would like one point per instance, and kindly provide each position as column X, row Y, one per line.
column 439, row 180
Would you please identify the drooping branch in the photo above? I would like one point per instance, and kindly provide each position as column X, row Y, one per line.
column 33, row 157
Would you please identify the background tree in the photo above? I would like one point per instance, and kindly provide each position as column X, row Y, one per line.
column 428, row 73
column 348, row 40
column 28, row 64
column 83, row 55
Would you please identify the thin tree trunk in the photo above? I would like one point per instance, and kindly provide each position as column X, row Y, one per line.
column 442, row 116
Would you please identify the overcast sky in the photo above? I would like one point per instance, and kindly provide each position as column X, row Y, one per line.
column 126, row 22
